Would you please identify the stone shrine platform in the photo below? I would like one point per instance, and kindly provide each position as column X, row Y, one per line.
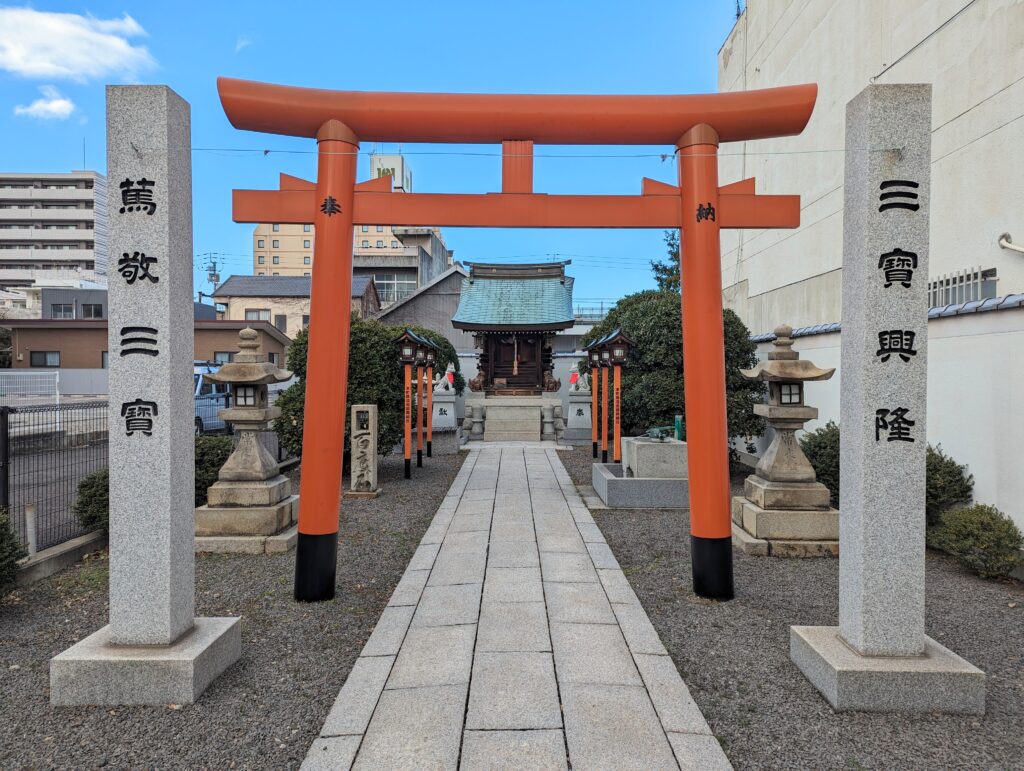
column 514, row 640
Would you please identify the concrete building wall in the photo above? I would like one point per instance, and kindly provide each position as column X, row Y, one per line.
column 52, row 222
column 211, row 341
column 975, row 61
column 78, row 299
column 975, row 399
column 434, row 309
column 294, row 309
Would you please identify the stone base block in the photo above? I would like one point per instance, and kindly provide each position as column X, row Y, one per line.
column 785, row 495
column 95, row 672
column 938, row 681
column 760, row 547
column 280, row 543
column 361, row 494
column 781, row 524
column 265, row 493
column 619, row 492
column 247, row 520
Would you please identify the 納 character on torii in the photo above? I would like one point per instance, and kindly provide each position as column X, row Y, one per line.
column 695, row 125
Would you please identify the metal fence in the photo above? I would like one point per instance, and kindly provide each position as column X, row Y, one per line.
column 28, row 387
column 45, row 451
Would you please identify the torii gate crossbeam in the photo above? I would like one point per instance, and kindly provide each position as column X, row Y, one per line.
column 696, row 125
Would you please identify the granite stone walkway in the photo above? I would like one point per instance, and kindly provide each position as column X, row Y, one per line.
column 514, row 641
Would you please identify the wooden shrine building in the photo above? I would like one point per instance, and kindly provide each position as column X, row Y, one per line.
column 513, row 313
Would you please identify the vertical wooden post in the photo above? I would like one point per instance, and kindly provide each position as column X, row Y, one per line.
column 617, row 416
column 327, row 378
column 419, row 416
column 430, row 411
column 407, row 444
column 704, row 364
column 604, row 413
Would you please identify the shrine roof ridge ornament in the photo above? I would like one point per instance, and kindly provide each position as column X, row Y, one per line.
column 571, row 119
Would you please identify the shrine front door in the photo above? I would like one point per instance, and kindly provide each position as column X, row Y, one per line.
column 516, row 360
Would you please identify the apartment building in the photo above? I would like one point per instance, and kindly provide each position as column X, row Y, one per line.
column 53, row 229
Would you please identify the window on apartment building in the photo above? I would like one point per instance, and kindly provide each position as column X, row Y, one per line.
column 305, row 243
column 276, row 228
column 62, row 311
column 259, row 243
column 44, row 359
column 92, row 311
column 365, row 243
column 261, row 273
column 306, row 260
column 307, row 273
column 276, row 273
column 392, row 287
column 365, row 228
column 261, row 260
column 305, row 320
column 275, row 244
column 394, row 244
column 276, row 260
column 223, row 357
column 307, row 228
column 257, row 314
column 104, row 360
column 380, row 228
column 281, row 322
column 380, row 244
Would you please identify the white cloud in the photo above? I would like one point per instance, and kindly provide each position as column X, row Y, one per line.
column 53, row 106
column 40, row 44
column 244, row 41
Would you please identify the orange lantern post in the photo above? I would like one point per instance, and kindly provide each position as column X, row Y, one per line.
column 421, row 358
column 316, row 550
column 595, row 378
column 618, row 345
column 605, row 366
column 407, row 355
column 431, row 358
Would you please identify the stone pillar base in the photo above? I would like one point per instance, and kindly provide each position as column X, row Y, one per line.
column 94, row 672
column 938, row 681
column 247, row 520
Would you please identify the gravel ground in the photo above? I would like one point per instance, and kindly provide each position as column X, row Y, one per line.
column 266, row 710
column 735, row 656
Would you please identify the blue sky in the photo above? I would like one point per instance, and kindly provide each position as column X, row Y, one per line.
column 55, row 58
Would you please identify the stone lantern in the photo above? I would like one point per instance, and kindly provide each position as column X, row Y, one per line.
column 783, row 503
column 251, row 497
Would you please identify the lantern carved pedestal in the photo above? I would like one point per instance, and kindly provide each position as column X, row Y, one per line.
column 251, row 501
column 784, row 511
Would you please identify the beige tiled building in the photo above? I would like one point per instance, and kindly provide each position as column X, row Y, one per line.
column 400, row 259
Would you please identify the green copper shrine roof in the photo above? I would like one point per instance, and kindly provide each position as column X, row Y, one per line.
column 507, row 298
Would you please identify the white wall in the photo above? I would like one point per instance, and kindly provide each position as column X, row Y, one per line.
column 975, row 397
column 976, row 63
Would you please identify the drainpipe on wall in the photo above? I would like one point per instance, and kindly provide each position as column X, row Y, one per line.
column 1007, row 243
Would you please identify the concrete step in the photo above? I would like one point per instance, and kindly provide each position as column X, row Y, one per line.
column 513, row 425
column 511, row 436
column 508, row 412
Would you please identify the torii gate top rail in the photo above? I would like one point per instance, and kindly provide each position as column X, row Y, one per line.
column 492, row 118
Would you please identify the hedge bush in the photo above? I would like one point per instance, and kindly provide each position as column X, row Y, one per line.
column 211, row 453
column 375, row 376
column 92, row 502
column 822, row 449
column 10, row 552
column 947, row 482
column 982, row 538
column 652, row 380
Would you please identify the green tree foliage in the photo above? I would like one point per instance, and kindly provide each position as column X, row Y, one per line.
column 666, row 273
column 652, row 380
column 822, row 449
column 375, row 376
column 10, row 552
column 947, row 482
column 981, row 537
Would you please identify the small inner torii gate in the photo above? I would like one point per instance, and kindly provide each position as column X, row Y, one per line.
column 695, row 125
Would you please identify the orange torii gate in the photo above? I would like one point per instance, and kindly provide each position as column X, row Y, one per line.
column 694, row 124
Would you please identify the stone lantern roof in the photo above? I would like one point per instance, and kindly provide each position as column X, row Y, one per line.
column 249, row 367
column 785, row 364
